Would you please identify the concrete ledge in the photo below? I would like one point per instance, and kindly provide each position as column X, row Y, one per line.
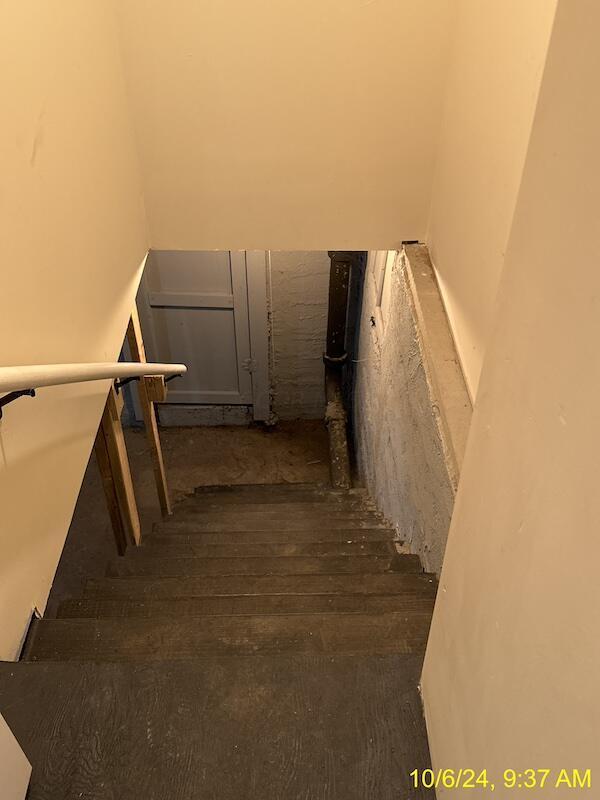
column 449, row 393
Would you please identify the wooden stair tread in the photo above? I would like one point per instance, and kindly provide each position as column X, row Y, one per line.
column 275, row 489
column 267, row 522
column 243, row 604
column 274, row 495
column 251, row 519
column 159, row 564
column 279, row 513
column 419, row 584
column 193, row 505
column 163, row 546
column 272, row 535
column 255, row 633
column 159, row 638
column 227, row 488
column 199, row 729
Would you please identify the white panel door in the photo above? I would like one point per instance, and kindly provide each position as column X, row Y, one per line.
column 194, row 308
column 15, row 770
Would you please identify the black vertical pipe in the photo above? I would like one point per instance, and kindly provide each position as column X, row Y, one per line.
column 335, row 358
column 339, row 286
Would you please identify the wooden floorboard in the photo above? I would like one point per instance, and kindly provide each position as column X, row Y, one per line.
column 244, row 604
column 164, row 565
column 282, row 507
column 273, row 500
column 160, row 639
column 278, row 489
column 309, row 510
column 170, row 547
column 258, row 522
column 415, row 584
column 226, row 536
column 301, row 728
column 217, row 521
column 265, row 643
column 274, row 496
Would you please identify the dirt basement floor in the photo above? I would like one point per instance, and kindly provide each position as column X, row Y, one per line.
column 291, row 452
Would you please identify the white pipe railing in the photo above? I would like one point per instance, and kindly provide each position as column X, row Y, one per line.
column 16, row 379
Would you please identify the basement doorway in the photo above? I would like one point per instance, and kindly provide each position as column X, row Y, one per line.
column 208, row 309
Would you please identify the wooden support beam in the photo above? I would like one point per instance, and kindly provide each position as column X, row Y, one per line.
column 110, row 491
column 150, row 389
column 111, row 455
column 156, row 388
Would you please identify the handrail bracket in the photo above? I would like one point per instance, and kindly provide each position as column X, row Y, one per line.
column 124, row 381
column 12, row 396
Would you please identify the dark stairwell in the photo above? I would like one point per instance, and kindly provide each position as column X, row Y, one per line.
column 265, row 643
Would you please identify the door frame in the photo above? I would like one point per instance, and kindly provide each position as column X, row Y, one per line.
column 250, row 308
column 258, row 322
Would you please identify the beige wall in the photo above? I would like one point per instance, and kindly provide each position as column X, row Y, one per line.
column 286, row 125
column 71, row 245
column 14, row 767
column 497, row 60
column 511, row 673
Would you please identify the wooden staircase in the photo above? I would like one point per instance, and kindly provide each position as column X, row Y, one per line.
column 264, row 643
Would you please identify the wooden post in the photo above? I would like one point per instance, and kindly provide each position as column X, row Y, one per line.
column 111, row 455
column 110, row 491
column 150, row 388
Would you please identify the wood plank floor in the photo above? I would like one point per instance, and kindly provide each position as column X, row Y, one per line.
column 310, row 727
column 158, row 638
column 264, row 643
column 200, row 586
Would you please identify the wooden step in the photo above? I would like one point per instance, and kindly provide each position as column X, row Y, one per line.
column 286, row 486
column 158, row 565
column 189, row 637
column 243, row 605
column 268, row 522
column 277, row 495
column 254, row 727
column 166, row 547
column 407, row 584
column 281, row 512
column 282, row 508
column 188, row 533
column 243, row 490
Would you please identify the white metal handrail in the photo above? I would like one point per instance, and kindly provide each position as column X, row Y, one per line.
column 15, row 379
column 23, row 381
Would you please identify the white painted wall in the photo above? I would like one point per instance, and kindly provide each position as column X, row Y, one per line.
column 497, row 60
column 511, row 673
column 286, row 125
column 73, row 238
column 299, row 299
column 317, row 125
